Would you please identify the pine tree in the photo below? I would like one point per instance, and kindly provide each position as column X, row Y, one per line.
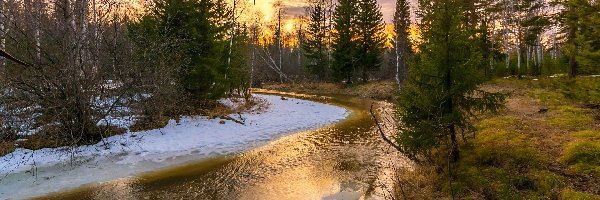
column 370, row 37
column 315, row 44
column 442, row 93
column 402, row 44
column 343, row 43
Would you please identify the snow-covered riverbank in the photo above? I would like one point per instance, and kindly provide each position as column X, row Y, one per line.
column 25, row 173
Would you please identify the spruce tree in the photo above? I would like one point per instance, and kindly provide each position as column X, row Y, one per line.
column 589, row 38
column 581, row 27
column 343, row 44
column 192, row 34
column 402, row 44
column 315, row 46
column 441, row 94
column 370, row 37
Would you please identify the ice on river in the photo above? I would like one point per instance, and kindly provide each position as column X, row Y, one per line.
column 25, row 173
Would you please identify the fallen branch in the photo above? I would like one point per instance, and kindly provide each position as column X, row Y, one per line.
column 233, row 120
column 12, row 58
column 385, row 138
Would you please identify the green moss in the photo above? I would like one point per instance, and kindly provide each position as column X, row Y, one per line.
column 504, row 162
column 587, row 134
column 500, row 136
column 570, row 117
column 583, row 156
column 547, row 97
column 496, row 123
column 547, row 183
column 573, row 195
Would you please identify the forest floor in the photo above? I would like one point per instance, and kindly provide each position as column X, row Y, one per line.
column 544, row 144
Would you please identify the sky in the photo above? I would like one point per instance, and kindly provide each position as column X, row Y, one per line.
column 297, row 7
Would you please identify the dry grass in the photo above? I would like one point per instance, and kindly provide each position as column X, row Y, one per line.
column 416, row 184
column 380, row 90
column 210, row 109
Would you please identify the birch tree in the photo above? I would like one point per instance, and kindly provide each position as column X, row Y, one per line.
column 402, row 44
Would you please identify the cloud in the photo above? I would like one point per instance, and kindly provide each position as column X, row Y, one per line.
column 295, row 11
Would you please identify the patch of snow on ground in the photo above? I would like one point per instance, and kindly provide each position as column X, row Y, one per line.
column 26, row 173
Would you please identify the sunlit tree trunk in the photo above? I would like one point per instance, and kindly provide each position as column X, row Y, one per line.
column 279, row 42
column 232, row 36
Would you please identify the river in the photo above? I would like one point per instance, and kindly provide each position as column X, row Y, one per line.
column 346, row 160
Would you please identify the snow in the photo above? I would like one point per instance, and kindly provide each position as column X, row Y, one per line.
column 26, row 173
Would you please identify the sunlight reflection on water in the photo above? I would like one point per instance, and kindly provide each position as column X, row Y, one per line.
column 346, row 160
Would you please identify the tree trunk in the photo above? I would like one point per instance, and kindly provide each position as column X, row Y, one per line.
column 37, row 26
column 2, row 34
column 397, row 63
column 527, row 59
column 95, row 39
column 454, row 152
column 279, row 43
column 448, row 104
column 231, row 39
column 519, row 62
column 572, row 62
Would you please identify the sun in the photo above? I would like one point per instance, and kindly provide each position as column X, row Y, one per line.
column 289, row 26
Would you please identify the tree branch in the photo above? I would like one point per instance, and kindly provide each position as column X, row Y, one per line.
column 385, row 138
column 8, row 56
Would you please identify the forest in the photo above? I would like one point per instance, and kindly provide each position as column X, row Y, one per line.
column 469, row 99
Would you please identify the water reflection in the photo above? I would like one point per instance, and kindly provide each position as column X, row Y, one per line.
column 344, row 161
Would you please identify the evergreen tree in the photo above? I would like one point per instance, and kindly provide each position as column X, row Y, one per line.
column 370, row 37
column 402, row 44
column 442, row 93
column 581, row 25
column 343, row 44
column 192, row 34
column 315, row 44
column 589, row 38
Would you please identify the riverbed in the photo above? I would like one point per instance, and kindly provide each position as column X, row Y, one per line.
column 345, row 160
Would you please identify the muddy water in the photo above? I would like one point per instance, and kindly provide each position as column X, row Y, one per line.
column 347, row 160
